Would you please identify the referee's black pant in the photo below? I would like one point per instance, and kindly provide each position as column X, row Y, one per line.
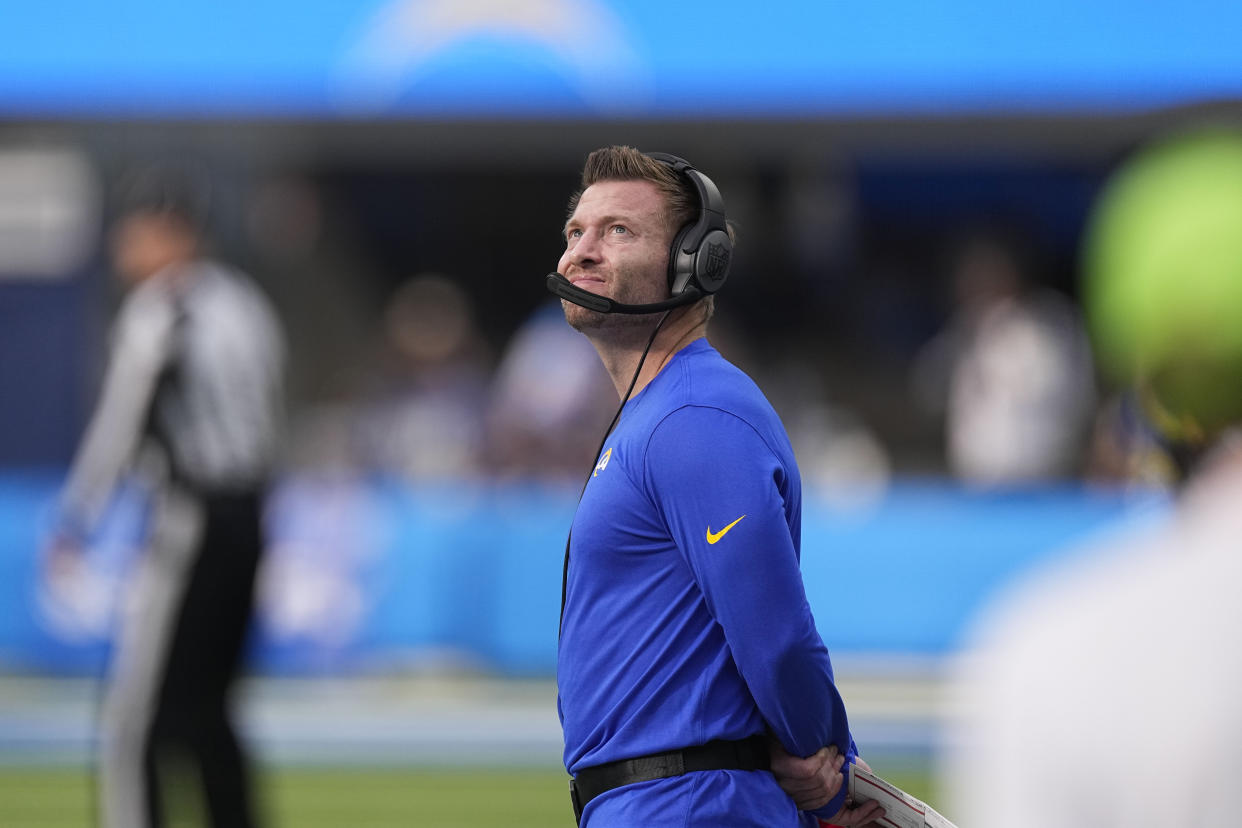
column 167, row 726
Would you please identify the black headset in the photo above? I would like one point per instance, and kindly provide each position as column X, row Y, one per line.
column 702, row 250
column 698, row 259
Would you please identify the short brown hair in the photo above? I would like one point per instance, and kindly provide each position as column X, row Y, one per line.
column 621, row 163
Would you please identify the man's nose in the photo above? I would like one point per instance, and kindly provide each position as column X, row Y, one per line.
column 587, row 250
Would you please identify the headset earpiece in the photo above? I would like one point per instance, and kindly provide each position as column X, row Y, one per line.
column 702, row 251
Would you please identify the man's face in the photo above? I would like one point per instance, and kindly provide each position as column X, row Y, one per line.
column 145, row 243
column 616, row 245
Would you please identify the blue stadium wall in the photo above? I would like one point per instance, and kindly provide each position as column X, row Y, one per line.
column 371, row 576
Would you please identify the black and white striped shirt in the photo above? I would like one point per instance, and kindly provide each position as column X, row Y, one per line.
column 195, row 379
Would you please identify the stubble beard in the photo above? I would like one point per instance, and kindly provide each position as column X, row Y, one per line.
column 592, row 322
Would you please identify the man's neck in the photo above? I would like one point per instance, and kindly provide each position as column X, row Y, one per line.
column 621, row 355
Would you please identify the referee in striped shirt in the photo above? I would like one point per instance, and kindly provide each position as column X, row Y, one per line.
column 191, row 403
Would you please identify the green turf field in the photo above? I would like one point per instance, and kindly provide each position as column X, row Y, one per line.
column 348, row 798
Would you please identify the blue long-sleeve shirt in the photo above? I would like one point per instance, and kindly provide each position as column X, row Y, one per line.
column 686, row 619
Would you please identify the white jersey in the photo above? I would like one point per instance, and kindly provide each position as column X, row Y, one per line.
column 1105, row 694
column 195, row 370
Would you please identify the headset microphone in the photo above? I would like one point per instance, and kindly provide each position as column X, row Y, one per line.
column 568, row 291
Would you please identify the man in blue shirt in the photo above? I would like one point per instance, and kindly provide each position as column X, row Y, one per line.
column 692, row 679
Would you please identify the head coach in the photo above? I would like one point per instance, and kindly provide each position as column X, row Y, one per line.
column 694, row 687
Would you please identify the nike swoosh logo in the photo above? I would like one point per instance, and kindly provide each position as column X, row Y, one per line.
column 712, row 537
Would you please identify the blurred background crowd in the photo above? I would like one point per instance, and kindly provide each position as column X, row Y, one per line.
column 911, row 196
column 909, row 315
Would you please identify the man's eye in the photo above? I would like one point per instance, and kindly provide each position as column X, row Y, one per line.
column 619, row 228
column 573, row 234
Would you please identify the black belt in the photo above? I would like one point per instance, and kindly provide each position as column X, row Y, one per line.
column 744, row 754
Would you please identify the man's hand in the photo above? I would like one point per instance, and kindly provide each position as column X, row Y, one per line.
column 862, row 816
column 865, row 815
column 811, row 782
